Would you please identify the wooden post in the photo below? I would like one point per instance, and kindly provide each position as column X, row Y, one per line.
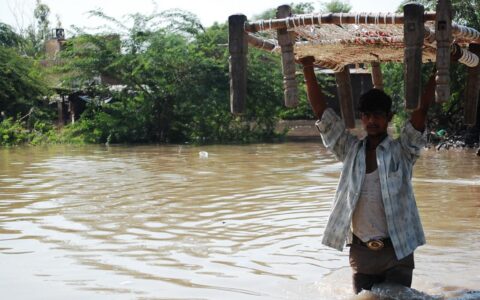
column 344, row 91
column 238, row 47
column 286, row 40
column 472, row 90
column 61, row 117
column 377, row 77
column 443, row 35
column 413, row 31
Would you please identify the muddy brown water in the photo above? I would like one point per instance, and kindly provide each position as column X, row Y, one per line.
column 167, row 222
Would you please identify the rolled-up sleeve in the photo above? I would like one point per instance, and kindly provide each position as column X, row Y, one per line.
column 412, row 141
column 334, row 135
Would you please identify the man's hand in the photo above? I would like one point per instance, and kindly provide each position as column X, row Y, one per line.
column 306, row 61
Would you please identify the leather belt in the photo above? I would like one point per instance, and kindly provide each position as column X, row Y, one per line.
column 375, row 244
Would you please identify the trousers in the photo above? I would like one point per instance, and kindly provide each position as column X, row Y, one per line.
column 376, row 266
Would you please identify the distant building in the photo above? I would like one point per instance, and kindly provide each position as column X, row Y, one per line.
column 54, row 45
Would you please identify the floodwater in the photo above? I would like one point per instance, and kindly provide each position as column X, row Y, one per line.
column 213, row 222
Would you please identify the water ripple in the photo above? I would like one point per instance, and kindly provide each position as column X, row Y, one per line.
column 159, row 222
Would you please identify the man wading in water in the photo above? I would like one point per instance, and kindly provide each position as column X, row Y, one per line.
column 374, row 209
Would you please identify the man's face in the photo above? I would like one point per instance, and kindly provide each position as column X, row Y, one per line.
column 375, row 123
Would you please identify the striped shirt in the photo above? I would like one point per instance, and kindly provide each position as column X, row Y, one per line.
column 395, row 160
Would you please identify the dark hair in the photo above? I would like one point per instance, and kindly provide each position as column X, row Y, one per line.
column 375, row 100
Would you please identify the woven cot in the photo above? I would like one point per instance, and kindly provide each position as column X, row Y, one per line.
column 335, row 46
column 338, row 40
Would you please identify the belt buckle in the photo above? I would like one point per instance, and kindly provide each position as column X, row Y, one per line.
column 375, row 245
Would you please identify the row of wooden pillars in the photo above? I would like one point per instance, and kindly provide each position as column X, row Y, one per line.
column 413, row 38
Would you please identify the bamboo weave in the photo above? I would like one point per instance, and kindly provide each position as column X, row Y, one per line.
column 337, row 45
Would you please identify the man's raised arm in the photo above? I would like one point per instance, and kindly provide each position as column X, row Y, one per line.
column 314, row 94
column 419, row 116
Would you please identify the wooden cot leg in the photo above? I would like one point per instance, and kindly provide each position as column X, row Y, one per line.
column 286, row 40
column 238, row 48
column 443, row 35
column 344, row 90
column 377, row 77
column 413, row 30
column 472, row 90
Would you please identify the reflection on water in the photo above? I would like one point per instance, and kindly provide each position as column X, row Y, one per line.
column 243, row 222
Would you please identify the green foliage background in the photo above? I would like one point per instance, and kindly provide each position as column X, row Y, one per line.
column 172, row 82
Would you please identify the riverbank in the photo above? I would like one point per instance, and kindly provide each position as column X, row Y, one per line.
column 305, row 131
column 299, row 130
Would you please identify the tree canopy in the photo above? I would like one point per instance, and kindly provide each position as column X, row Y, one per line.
column 336, row 6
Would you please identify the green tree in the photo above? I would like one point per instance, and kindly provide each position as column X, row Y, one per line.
column 21, row 84
column 8, row 37
column 22, row 91
column 175, row 84
column 336, row 6
column 35, row 35
column 41, row 14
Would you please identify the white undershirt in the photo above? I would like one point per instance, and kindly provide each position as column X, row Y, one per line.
column 368, row 220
